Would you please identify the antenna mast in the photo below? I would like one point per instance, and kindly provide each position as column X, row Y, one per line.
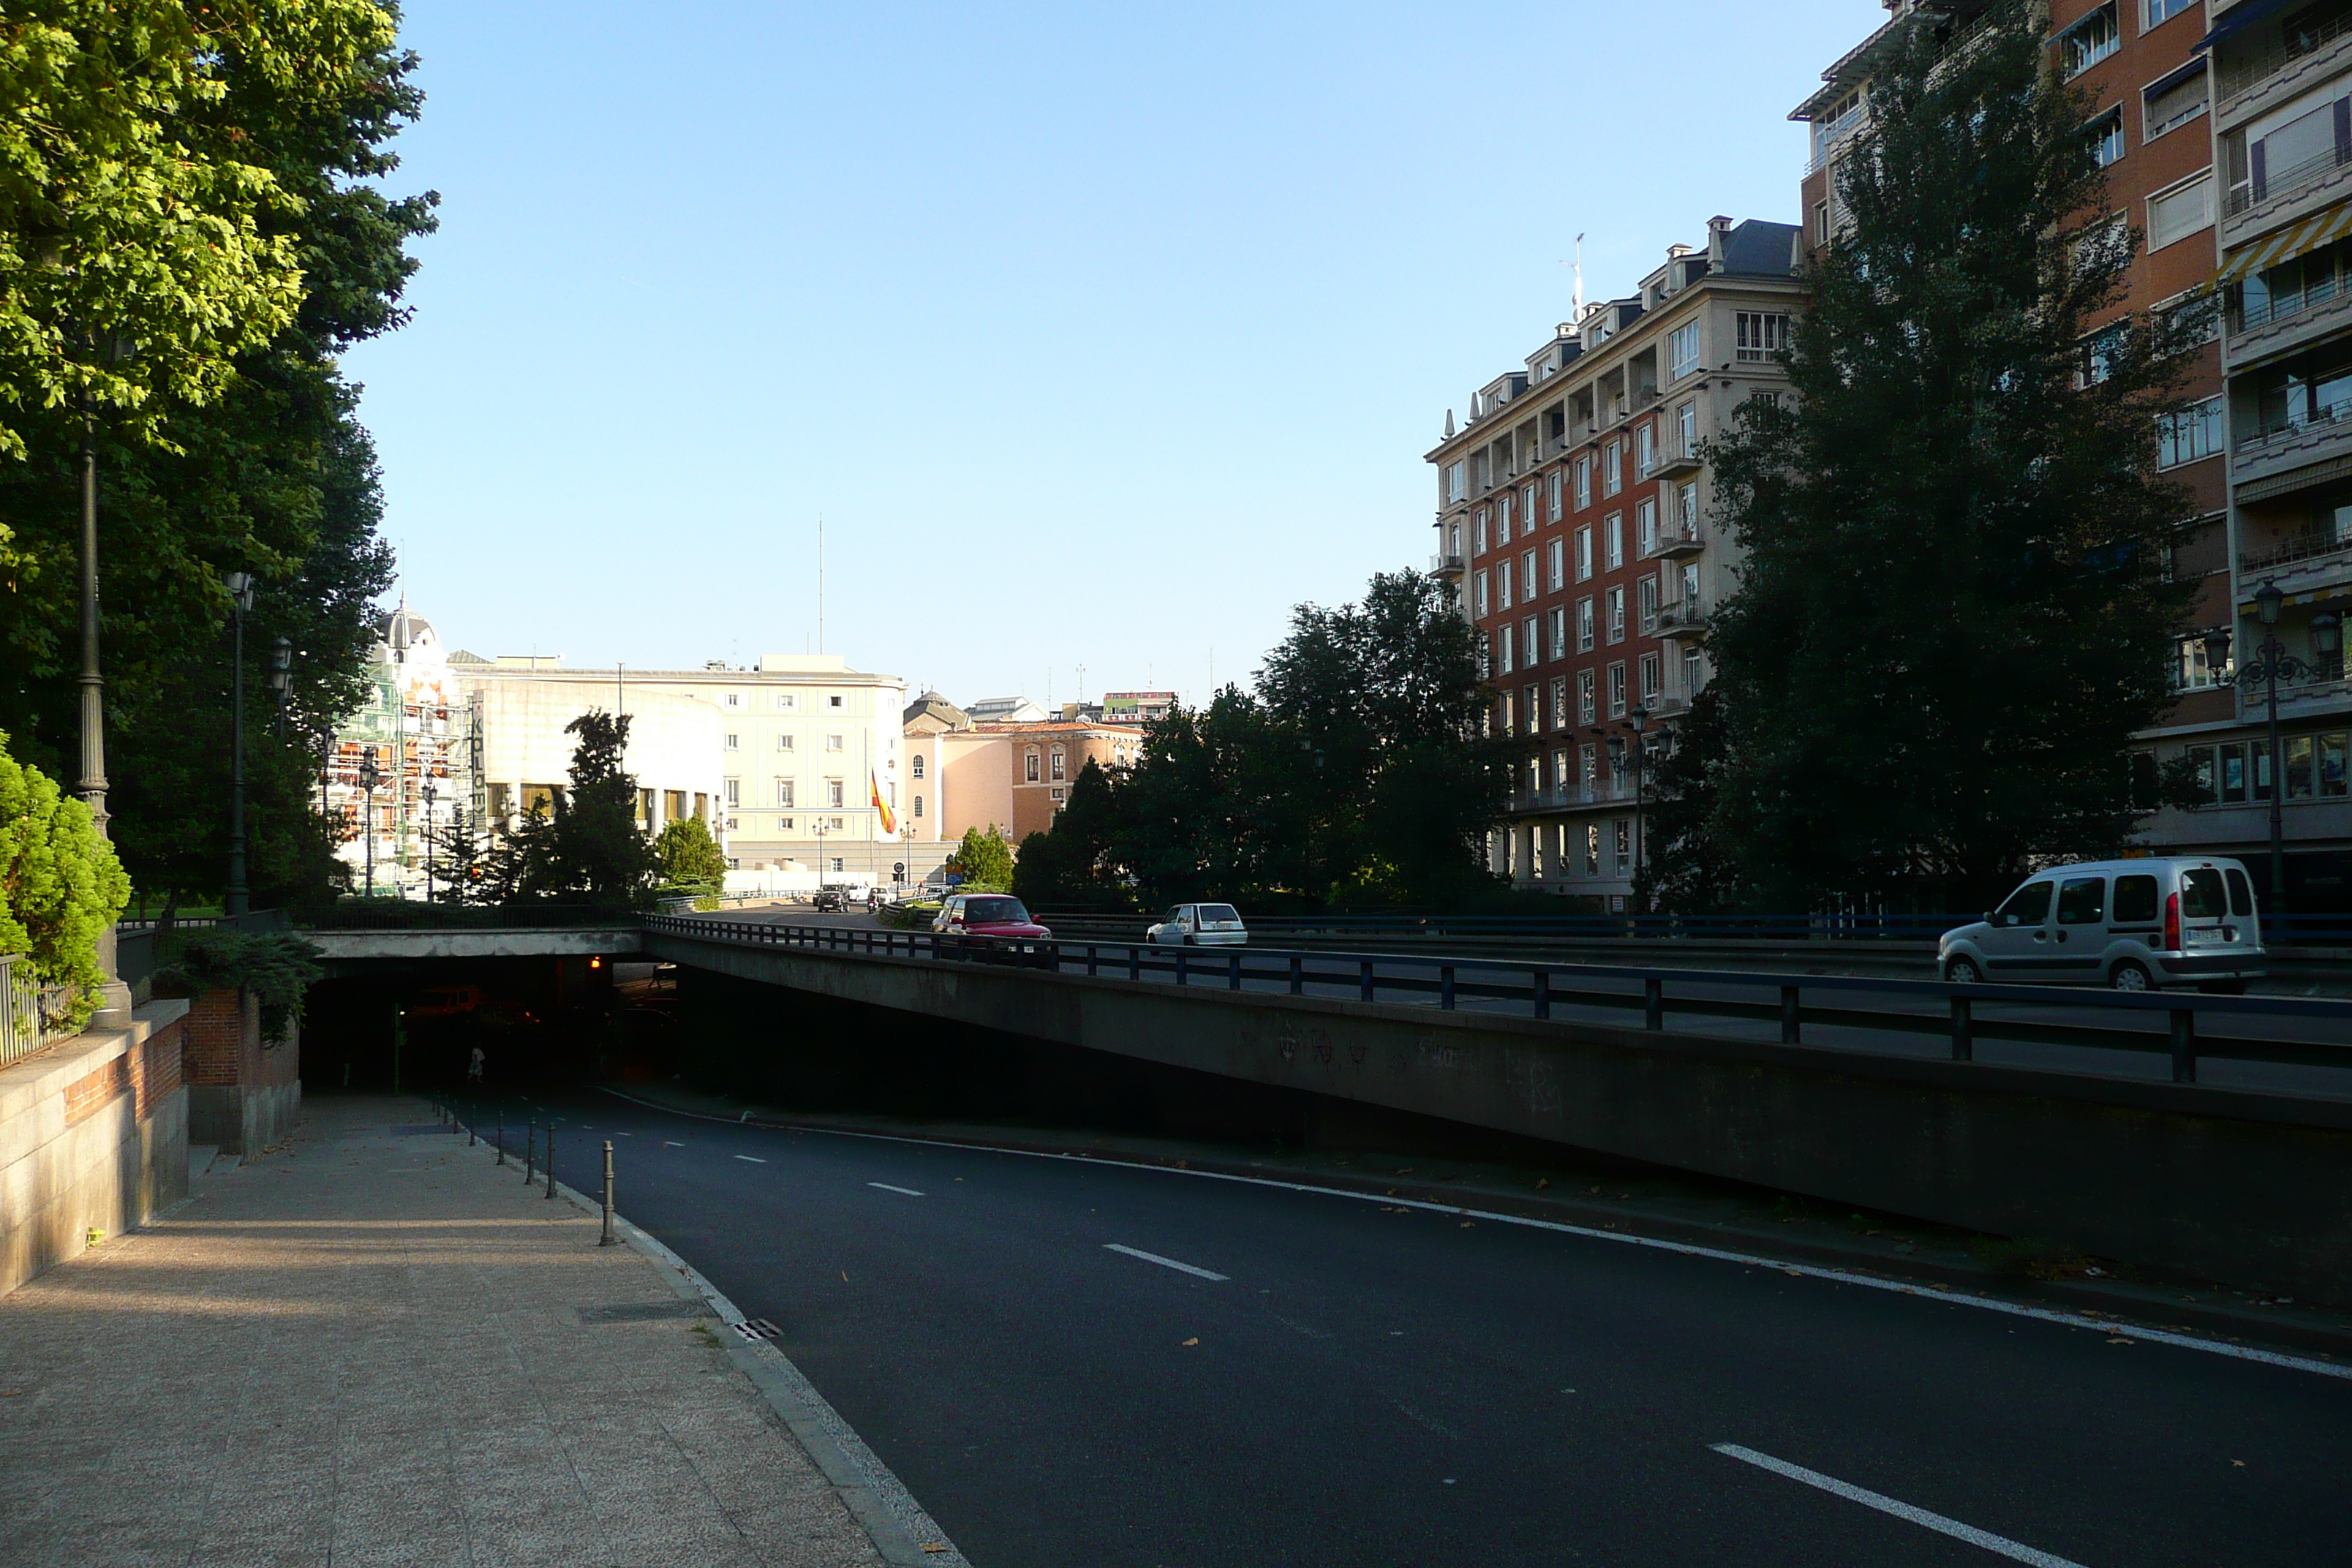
column 820, row 581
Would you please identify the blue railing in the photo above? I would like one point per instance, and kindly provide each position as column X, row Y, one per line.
column 2179, row 1025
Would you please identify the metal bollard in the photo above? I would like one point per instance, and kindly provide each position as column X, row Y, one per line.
column 502, row 1138
column 551, row 1160
column 606, row 1239
column 530, row 1153
column 471, row 1123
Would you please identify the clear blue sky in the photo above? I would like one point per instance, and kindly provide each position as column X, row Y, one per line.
column 1098, row 335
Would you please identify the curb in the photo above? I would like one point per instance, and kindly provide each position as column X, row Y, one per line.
column 903, row 1534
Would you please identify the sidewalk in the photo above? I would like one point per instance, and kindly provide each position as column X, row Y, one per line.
column 367, row 1346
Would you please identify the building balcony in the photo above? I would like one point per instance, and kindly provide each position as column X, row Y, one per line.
column 1678, row 465
column 1561, row 797
column 1683, row 621
column 1446, row 566
column 2302, row 562
column 2262, row 80
column 2268, row 332
column 2287, row 196
column 2274, row 456
column 1676, row 543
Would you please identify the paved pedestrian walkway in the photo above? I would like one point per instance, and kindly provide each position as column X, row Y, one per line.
column 371, row 1346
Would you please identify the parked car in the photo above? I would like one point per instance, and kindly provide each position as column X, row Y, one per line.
column 987, row 914
column 827, row 901
column 2135, row 925
column 1199, row 925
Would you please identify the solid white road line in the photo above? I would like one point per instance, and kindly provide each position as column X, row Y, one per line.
column 1947, row 1295
column 1164, row 1262
column 668, row 1144
column 889, row 1188
column 1884, row 1504
column 754, row 1159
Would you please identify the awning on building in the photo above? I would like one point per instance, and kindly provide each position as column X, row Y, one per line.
column 2329, row 471
column 2243, row 17
column 2313, row 232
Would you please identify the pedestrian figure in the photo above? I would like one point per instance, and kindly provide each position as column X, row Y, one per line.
column 474, row 1068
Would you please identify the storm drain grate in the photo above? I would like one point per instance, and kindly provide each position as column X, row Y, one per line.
column 643, row 1311
column 756, row 1329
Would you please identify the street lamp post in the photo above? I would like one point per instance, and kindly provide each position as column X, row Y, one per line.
column 114, row 1011
column 369, row 778
column 429, row 793
column 240, row 596
column 2271, row 665
column 281, row 678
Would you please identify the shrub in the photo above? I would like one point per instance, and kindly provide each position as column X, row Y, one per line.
column 60, row 882
column 278, row 968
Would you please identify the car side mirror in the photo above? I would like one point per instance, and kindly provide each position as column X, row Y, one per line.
column 1993, row 919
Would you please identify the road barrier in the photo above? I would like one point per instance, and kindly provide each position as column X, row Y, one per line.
column 2186, row 1026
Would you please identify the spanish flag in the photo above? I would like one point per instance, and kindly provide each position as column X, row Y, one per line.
column 882, row 808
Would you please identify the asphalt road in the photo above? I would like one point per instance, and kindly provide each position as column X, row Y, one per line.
column 2325, row 1023
column 1370, row 1386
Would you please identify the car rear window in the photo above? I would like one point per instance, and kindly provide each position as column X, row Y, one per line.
column 996, row 911
column 1218, row 913
column 2201, row 895
column 2242, row 894
column 2081, row 901
column 2134, row 900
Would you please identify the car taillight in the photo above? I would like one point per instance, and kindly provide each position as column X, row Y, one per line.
column 2172, row 923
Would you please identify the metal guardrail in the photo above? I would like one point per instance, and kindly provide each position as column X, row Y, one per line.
column 2278, row 930
column 30, row 1015
column 2169, row 1022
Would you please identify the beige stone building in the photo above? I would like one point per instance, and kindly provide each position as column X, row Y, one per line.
column 1011, row 776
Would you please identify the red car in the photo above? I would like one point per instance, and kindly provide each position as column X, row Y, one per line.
column 987, row 914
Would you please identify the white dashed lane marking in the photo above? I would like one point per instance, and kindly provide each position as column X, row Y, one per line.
column 1902, row 1510
column 754, row 1159
column 889, row 1188
column 1164, row 1262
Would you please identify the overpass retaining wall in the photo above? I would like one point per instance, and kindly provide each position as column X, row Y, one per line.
column 2255, row 1189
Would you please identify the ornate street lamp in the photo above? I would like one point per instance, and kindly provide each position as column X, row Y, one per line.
column 240, row 596
column 369, row 778
column 281, row 678
column 429, row 793
column 2271, row 665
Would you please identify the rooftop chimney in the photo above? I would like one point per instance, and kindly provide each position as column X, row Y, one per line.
column 1717, row 228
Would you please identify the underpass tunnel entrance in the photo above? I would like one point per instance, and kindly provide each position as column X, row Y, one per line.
column 415, row 1025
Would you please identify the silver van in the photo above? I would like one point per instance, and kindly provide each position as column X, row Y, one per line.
column 2135, row 925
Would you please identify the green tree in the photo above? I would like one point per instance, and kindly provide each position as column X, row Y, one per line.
column 690, row 859
column 984, row 860
column 586, row 848
column 61, row 883
column 1953, row 612
column 1075, row 864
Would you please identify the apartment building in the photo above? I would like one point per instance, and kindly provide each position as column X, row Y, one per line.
column 2218, row 129
column 1572, row 518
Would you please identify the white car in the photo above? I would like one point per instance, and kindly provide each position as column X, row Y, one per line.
column 1199, row 925
column 2135, row 925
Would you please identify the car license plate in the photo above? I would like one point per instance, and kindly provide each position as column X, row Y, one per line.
column 2212, row 938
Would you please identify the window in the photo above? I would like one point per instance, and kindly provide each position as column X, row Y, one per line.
column 1479, row 533
column 1508, row 644
column 1558, row 714
column 836, row 860
column 1061, row 795
column 1556, row 566
column 2334, row 782
column 2102, row 349
column 1532, row 709
column 1591, row 844
column 1682, row 350
column 1503, row 521
column 916, row 764
column 833, row 701
column 785, row 742
column 2106, row 137
column 1612, row 468
column 1479, row 583
column 1687, row 509
column 1586, row 712
column 1653, row 679
column 1613, row 530
column 734, row 743
column 1457, row 483
column 786, row 702
column 832, row 793
column 1645, row 527
column 1759, row 336
column 1030, row 765
column 2136, row 902
column 2175, row 101
column 1503, row 584
column 1528, row 509
column 1687, row 430
column 2158, row 12
column 1556, row 488
column 1584, row 625
column 1527, row 646
column 734, row 699
column 2193, row 669
column 1060, row 764
column 783, row 824
column 2091, row 40
column 2183, row 210
column 2028, row 905
column 1624, row 837
column 1583, row 482
column 1616, row 601
column 1645, row 447
column 733, row 792
column 2195, row 432
column 1528, row 575
column 783, row 791
column 919, row 807
column 1559, row 640
column 1647, row 602
column 1584, row 554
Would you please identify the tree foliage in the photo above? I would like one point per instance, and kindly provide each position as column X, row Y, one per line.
column 690, row 860
column 588, row 849
column 278, row 968
column 60, row 884
column 1354, row 774
column 1953, row 611
column 984, row 861
column 237, row 451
